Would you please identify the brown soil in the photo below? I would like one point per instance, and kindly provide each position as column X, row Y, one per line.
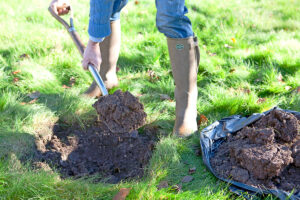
column 296, row 153
column 111, row 148
column 265, row 154
column 121, row 112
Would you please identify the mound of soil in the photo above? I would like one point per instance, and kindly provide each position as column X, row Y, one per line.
column 111, row 148
column 121, row 112
column 265, row 154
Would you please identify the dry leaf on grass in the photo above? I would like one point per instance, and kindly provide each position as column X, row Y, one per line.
column 152, row 75
column 228, row 46
column 287, row 87
column 139, row 95
column 192, row 170
column 16, row 72
column 32, row 101
column 162, row 184
column 211, row 54
column 298, row 89
column 65, row 87
column 202, row 120
column 164, row 97
column 279, row 78
column 185, row 162
column 16, row 80
column 261, row 100
column 232, row 70
column 258, row 80
column 176, row 188
column 245, row 90
column 187, row 179
column 122, row 194
column 72, row 81
column 198, row 152
column 24, row 55
column 163, row 197
column 34, row 95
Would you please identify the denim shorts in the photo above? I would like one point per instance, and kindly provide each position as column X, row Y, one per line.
column 117, row 7
column 170, row 17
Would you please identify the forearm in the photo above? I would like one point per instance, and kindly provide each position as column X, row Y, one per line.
column 92, row 55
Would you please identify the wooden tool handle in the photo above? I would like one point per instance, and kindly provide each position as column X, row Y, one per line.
column 80, row 46
column 76, row 39
column 74, row 35
column 58, row 18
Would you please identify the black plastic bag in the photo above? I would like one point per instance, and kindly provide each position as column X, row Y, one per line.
column 214, row 135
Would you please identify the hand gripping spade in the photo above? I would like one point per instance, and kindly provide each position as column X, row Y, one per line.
column 80, row 46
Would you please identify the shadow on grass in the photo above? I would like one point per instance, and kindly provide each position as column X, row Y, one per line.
column 132, row 63
column 264, row 59
column 282, row 26
column 259, row 59
column 6, row 53
column 288, row 68
column 8, row 57
column 204, row 12
column 20, row 144
column 141, row 62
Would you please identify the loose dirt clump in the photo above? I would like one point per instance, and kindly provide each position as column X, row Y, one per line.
column 265, row 154
column 285, row 125
column 121, row 112
column 262, row 161
column 111, row 147
column 296, row 153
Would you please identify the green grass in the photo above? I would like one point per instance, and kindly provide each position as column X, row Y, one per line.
column 265, row 40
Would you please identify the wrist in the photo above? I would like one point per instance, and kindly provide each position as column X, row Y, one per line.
column 92, row 43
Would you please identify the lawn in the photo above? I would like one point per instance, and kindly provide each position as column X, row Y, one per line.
column 250, row 62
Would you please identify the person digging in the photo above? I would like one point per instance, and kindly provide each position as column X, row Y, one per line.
column 104, row 43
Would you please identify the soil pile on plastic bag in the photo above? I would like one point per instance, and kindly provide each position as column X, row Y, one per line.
column 111, row 148
column 265, row 154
